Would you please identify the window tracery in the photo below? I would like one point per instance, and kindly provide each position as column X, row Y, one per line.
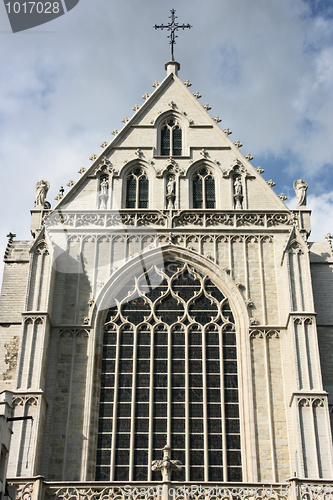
column 137, row 189
column 171, row 138
column 203, row 189
column 169, row 375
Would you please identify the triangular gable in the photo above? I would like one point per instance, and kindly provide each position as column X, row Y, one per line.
column 173, row 95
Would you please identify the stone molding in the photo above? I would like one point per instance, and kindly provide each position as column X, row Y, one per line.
column 175, row 218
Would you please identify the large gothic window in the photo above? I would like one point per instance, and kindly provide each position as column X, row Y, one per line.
column 171, row 138
column 137, row 189
column 169, row 376
column 203, row 189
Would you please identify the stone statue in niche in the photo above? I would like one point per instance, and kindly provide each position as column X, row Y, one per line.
column 170, row 192
column 301, row 187
column 42, row 188
column 103, row 195
column 238, row 192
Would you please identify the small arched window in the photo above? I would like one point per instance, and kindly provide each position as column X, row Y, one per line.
column 137, row 189
column 171, row 138
column 203, row 189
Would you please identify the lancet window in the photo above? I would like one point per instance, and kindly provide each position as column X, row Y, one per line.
column 137, row 187
column 171, row 138
column 169, row 375
column 203, row 189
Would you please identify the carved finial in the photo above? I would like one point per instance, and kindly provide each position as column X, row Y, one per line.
column 260, row 170
column 283, row 197
column 166, row 465
column 139, row 153
column 172, row 104
column 136, row 107
column 104, row 144
column 249, row 157
column 11, row 236
column 93, row 157
column 60, row 195
column 301, row 187
column 146, row 96
column 204, row 153
column 156, row 84
column 207, row 107
column 238, row 144
column 227, row 131
column 197, row 95
column 271, row 183
column 187, row 83
column 70, row 183
column 82, row 170
column 217, row 119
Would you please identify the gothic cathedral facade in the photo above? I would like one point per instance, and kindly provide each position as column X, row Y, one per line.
column 169, row 298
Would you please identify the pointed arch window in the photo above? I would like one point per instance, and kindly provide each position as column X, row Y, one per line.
column 169, row 375
column 137, row 187
column 171, row 138
column 203, row 189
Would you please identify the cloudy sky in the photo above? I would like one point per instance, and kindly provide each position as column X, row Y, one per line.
column 265, row 67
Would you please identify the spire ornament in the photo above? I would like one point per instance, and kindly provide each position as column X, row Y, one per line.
column 172, row 27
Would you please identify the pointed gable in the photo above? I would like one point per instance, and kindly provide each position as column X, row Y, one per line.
column 238, row 184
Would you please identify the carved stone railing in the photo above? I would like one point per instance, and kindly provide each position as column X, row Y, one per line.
column 295, row 489
column 169, row 219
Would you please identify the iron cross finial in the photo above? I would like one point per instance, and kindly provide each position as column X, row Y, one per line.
column 172, row 27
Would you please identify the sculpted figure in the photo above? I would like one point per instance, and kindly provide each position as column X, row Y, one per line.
column 104, row 187
column 238, row 193
column 301, row 187
column 171, row 186
column 103, row 195
column 238, row 186
column 42, row 188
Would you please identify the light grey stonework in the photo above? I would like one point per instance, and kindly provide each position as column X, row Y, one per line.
column 57, row 289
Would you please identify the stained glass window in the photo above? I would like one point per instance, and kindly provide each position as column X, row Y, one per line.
column 203, row 187
column 169, row 375
column 171, row 138
column 137, row 187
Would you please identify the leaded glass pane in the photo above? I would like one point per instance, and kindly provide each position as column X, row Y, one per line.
column 131, row 191
column 177, row 141
column 165, row 141
column 197, row 192
column 143, row 192
column 210, row 192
